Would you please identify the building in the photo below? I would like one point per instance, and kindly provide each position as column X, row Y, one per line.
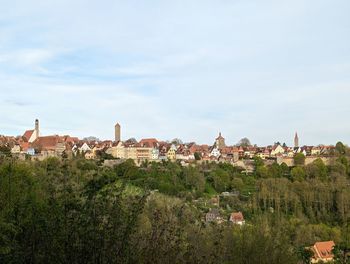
column 322, row 252
column 277, row 149
column 237, row 218
column 171, row 152
column 50, row 145
column 117, row 136
column 296, row 140
column 220, row 141
column 31, row 135
column 213, row 216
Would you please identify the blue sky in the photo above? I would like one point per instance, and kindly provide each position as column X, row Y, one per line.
column 187, row 69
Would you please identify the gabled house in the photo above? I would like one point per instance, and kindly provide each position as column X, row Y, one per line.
column 90, row 155
column 16, row 149
column 241, row 152
column 83, row 147
column 316, row 151
column 322, row 252
column 49, row 144
column 237, row 218
column 171, row 152
column 215, row 152
column 213, row 216
column 277, row 149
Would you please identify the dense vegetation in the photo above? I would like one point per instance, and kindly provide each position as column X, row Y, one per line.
column 75, row 211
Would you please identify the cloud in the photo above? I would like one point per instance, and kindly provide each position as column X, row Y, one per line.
column 180, row 69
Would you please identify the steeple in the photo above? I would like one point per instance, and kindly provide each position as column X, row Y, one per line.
column 37, row 131
column 296, row 140
column 220, row 141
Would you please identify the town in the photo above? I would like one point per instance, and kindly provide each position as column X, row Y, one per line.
column 222, row 207
column 33, row 145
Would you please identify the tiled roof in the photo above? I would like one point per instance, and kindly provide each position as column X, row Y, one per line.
column 323, row 250
column 237, row 216
column 47, row 143
column 27, row 135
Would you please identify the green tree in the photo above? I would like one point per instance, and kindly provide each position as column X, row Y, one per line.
column 298, row 174
column 305, row 255
column 299, row 159
column 197, row 156
column 340, row 148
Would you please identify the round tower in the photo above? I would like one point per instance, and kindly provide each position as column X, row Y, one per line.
column 117, row 136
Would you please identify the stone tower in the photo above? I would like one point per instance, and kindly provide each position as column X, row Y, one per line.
column 117, row 132
column 220, row 142
column 296, row 140
column 37, row 131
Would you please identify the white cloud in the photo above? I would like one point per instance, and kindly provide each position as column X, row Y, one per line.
column 177, row 69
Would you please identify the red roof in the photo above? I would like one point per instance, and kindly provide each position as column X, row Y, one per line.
column 323, row 250
column 27, row 135
column 24, row 146
column 237, row 216
column 47, row 143
column 148, row 142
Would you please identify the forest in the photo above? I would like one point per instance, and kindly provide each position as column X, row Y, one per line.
column 64, row 210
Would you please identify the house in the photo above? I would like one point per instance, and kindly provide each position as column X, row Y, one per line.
column 171, row 152
column 277, row 149
column 322, row 252
column 90, row 155
column 30, row 151
column 130, row 153
column 155, row 153
column 16, row 149
column 241, row 152
column 215, row 152
column 117, row 150
column 213, row 216
column 237, row 218
column 143, row 153
column 149, row 142
column 84, row 148
column 315, row 151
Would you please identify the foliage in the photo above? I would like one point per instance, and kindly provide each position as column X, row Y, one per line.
column 299, row 159
column 76, row 211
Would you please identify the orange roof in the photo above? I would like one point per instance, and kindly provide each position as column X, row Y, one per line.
column 237, row 216
column 323, row 250
column 148, row 142
column 24, row 146
column 27, row 135
column 47, row 143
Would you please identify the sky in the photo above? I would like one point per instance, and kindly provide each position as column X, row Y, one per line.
column 183, row 69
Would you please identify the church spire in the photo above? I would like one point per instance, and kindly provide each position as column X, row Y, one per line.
column 296, row 140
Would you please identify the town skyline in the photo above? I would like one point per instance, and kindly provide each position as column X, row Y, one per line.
column 118, row 136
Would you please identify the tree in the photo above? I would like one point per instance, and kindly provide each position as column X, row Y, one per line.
column 262, row 172
column 5, row 150
column 298, row 174
column 317, row 169
column 305, row 255
column 244, row 142
column 340, row 148
column 176, row 141
column 197, row 156
column 258, row 162
column 299, row 159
